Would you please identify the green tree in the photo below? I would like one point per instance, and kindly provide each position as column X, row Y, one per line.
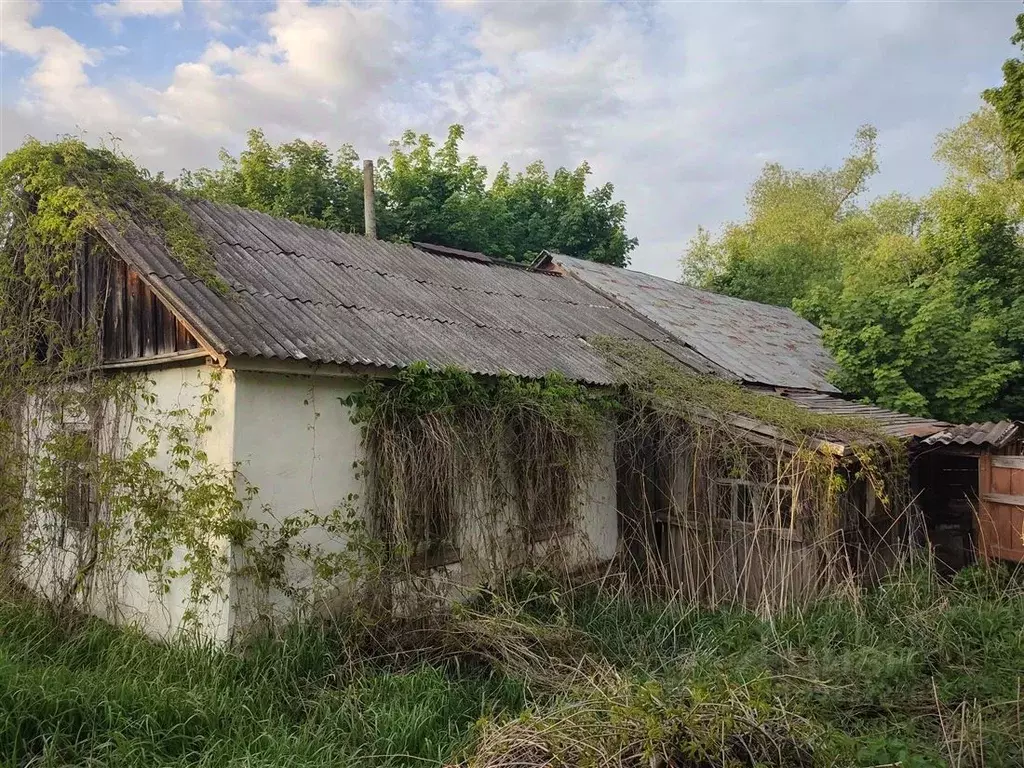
column 799, row 229
column 426, row 193
column 299, row 180
column 923, row 323
column 1008, row 101
column 557, row 212
column 431, row 194
column 918, row 300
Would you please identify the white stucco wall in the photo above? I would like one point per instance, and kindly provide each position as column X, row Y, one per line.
column 296, row 446
column 53, row 553
column 291, row 440
column 295, row 442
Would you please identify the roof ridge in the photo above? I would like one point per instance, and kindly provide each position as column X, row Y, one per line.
column 406, row 278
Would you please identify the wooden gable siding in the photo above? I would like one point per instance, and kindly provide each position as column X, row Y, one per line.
column 134, row 323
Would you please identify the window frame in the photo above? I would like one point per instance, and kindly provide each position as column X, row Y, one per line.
column 78, row 487
column 749, row 521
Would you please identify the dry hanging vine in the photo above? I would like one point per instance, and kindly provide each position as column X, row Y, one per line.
column 475, row 468
column 767, row 518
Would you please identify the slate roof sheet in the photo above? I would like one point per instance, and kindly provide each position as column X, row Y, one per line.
column 891, row 422
column 989, row 434
column 301, row 293
column 757, row 343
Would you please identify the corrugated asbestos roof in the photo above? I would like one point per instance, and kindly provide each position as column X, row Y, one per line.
column 927, row 431
column 990, row 434
column 302, row 293
column 758, row 343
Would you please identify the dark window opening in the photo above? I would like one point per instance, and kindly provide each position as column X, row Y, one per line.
column 431, row 526
column 77, row 454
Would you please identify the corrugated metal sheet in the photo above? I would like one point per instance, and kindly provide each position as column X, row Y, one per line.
column 989, row 434
column 891, row 422
column 758, row 343
column 302, row 293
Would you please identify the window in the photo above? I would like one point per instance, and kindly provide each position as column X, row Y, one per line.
column 752, row 503
column 430, row 526
column 431, row 532
column 76, row 452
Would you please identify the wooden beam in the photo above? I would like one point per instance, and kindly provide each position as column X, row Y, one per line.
column 172, row 357
column 133, row 315
column 1004, row 498
column 1008, row 462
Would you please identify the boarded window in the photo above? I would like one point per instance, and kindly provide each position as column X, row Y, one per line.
column 76, row 454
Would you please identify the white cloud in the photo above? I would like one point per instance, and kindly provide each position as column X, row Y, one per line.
column 679, row 104
column 124, row 8
column 59, row 85
column 319, row 69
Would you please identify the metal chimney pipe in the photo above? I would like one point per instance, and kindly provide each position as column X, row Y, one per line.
column 370, row 218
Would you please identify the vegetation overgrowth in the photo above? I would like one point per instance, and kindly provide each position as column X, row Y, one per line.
column 651, row 376
column 917, row 672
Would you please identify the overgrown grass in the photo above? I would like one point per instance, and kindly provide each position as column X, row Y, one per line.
column 916, row 673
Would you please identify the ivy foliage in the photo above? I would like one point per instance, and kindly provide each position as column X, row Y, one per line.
column 53, row 194
column 419, row 391
column 83, row 476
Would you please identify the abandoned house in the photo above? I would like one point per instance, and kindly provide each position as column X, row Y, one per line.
column 310, row 315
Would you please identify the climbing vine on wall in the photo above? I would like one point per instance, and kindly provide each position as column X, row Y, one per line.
column 797, row 492
column 82, row 490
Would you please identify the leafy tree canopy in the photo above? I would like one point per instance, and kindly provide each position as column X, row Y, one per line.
column 426, row 192
column 919, row 301
column 1008, row 101
column 798, row 228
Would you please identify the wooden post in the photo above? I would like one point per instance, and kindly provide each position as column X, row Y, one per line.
column 984, row 526
column 368, row 200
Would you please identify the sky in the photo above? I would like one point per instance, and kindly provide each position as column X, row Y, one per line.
column 678, row 104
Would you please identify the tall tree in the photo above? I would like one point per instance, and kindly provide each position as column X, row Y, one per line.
column 798, row 230
column 1008, row 100
column 924, row 321
column 300, row 180
column 920, row 301
column 426, row 193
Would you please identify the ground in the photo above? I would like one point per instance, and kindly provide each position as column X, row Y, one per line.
column 917, row 672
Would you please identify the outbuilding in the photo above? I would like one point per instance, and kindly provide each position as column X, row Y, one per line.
column 255, row 384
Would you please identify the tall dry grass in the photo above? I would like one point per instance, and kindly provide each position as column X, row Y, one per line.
column 916, row 672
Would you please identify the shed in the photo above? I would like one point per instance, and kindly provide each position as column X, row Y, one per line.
column 967, row 480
